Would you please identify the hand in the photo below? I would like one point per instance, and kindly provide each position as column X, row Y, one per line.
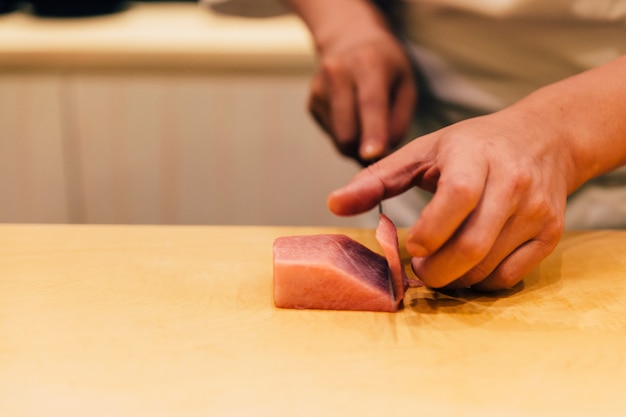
column 363, row 94
column 500, row 184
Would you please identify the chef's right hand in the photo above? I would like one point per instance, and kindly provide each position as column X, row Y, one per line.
column 363, row 94
column 500, row 184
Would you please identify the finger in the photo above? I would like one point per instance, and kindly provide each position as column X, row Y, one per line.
column 403, row 104
column 539, row 221
column 521, row 261
column 373, row 110
column 342, row 104
column 476, row 248
column 486, row 237
column 318, row 103
column 513, row 235
column 460, row 187
column 361, row 194
column 517, row 265
column 386, row 178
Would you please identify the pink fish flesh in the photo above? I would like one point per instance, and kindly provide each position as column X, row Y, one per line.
column 334, row 272
column 387, row 237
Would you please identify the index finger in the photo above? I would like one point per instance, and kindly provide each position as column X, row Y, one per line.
column 373, row 112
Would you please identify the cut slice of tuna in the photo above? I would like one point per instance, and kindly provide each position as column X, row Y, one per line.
column 387, row 237
column 334, row 272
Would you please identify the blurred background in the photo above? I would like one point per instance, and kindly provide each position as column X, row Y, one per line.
column 161, row 113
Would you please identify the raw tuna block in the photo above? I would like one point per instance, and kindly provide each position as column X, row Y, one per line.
column 334, row 272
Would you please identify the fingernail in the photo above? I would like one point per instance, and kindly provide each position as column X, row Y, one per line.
column 415, row 264
column 416, row 249
column 371, row 151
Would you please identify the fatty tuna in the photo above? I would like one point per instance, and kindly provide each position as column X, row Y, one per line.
column 334, row 272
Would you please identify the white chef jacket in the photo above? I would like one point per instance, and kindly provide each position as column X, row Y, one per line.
column 478, row 56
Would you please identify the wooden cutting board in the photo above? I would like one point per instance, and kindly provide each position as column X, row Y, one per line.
column 179, row 321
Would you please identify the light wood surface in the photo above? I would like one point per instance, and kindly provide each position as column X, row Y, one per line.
column 179, row 321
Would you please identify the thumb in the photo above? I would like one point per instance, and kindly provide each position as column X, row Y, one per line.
column 386, row 178
column 361, row 194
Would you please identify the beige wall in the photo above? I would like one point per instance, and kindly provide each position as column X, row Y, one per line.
column 206, row 128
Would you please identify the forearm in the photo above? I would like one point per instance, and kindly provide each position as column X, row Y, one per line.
column 587, row 113
column 330, row 21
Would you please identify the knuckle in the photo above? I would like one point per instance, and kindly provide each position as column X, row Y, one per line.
column 550, row 236
column 505, row 278
column 462, row 190
column 540, row 208
column 544, row 211
column 552, row 233
column 472, row 250
column 476, row 275
column 331, row 65
column 520, row 180
column 333, row 70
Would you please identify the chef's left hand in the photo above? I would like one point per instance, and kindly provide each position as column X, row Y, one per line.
column 500, row 184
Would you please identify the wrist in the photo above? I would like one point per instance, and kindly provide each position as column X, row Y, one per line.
column 583, row 120
column 546, row 138
column 335, row 23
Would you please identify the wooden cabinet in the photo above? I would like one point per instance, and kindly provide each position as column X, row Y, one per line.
column 164, row 148
column 33, row 186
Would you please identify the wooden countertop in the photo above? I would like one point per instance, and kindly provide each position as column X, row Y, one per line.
column 179, row 321
column 155, row 36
